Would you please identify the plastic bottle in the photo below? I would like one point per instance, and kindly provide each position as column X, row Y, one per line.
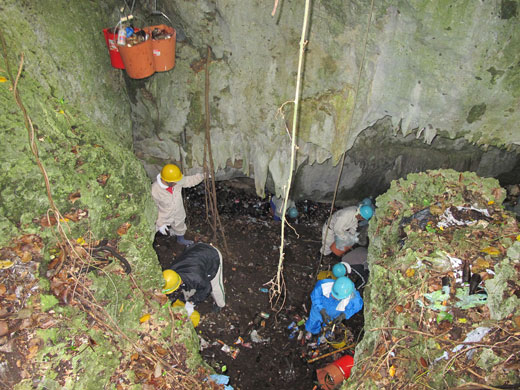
column 121, row 36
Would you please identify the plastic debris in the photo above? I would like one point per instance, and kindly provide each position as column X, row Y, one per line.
column 447, row 219
column 220, row 379
column 473, row 337
column 203, row 343
column 467, row 301
column 255, row 337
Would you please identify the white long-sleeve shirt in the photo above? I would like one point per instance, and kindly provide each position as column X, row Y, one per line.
column 170, row 206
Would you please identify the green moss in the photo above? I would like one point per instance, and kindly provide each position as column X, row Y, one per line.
column 425, row 252
column 508, row 9
column 196, row 117
column 332, row 105
column 494, row 75
column 476, row 113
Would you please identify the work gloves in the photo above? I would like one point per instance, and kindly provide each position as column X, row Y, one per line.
column 164, row 230
column 338, row 319
column 189, row 308
column 346, row 239
column 325, row 316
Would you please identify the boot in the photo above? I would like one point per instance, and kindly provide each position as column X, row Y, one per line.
column 181, row 240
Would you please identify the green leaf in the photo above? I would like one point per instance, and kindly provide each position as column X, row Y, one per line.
column 444, row 316
column 48, row 302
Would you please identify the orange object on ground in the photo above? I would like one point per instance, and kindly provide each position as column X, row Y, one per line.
column 331, row 376
column 163, row 49
column 338, row 252
column 138, row 59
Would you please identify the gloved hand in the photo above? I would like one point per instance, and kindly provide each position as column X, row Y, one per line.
column 325, row 316
column 164, row 230
column 189, row 308
column 339, row 318
column 346, row 239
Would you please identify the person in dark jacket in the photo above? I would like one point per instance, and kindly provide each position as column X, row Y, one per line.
column 196, row 273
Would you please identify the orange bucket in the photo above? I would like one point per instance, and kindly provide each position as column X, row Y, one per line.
column 338, row 252
column 163, row 49
column 138, row 59
column 330, row 377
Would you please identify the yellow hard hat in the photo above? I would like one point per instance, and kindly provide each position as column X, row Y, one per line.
column 171, row 173
column 172, row 281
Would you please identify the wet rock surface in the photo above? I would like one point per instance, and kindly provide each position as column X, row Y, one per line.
column 259, row 348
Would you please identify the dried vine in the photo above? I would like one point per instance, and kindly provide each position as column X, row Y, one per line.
column 209, row 172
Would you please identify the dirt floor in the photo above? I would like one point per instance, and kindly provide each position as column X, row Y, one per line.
column 248, row 340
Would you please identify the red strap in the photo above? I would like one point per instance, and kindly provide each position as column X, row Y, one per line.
column 170, row 190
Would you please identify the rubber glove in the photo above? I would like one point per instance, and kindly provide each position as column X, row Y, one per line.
column 325, row 316
column 339, row 318
column 164, row 230
column 189, row 308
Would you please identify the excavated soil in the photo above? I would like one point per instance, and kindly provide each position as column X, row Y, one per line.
column 248, row 340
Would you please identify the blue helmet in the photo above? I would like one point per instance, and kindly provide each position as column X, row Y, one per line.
column 342, row 288
column 366, row 202
column 366, row 212
column 293, row 212
column 339, row 270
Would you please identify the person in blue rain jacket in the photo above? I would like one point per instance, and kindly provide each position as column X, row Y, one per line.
column 332, row 301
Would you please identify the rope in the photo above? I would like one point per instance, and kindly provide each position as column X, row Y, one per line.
column 277, row 283
column 348, row 131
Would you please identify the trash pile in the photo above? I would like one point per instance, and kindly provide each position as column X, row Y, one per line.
column 161, row 33
column 129, row 36
column 247, row 333
column 234, row 202
column 445, row 309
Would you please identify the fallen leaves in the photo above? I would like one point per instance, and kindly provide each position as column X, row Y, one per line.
column 491, row 250
column 123, row 229
column 102, row 179
column 4, row 328
column 4, row 264
column 410, row 272
column 74, row 197
column 74, row 215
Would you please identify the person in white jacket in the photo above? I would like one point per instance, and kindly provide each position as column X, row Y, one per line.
column 167, row 194
column 343, row 227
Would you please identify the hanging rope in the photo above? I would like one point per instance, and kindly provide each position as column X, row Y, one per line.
column 348, row 130
column 209, row 172
column 277, row 289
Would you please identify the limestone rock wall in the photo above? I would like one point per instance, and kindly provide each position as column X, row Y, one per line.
column 433, row 68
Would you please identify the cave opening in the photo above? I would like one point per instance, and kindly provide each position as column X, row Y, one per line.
column 256, row 345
